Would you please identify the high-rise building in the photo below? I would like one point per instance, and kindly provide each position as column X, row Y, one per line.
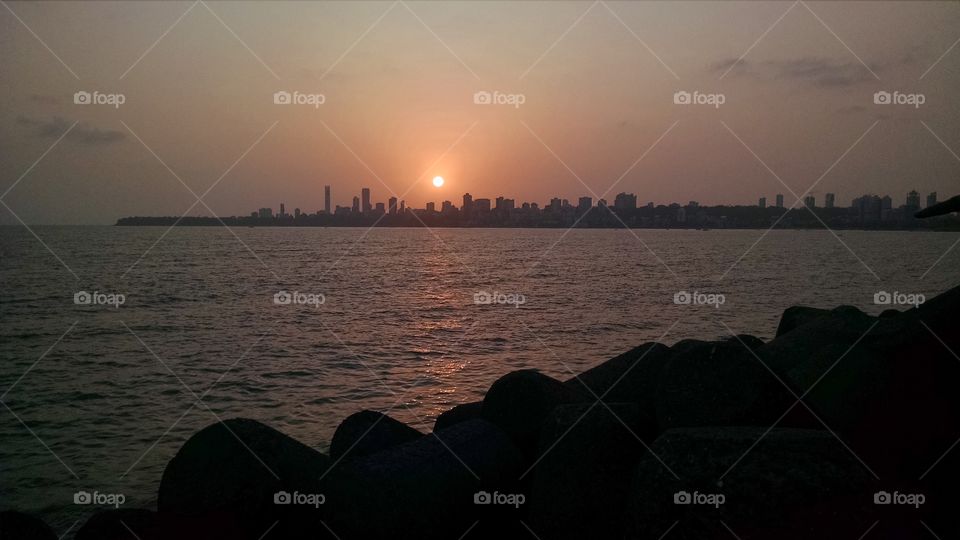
column 365, row 200
column 296, row 213
column 403, row 206
column 625, row 201
column 356, row 204
column 913, row 201
column 601, row 203
column 779, row 200
column 431, row 207
column 283, row 213
column 931, row 199
column 326, row 199
column 467, row 203
column 447, row 207
column 266, row 212
column 830, row 200
column 584, row 204
column 392, row 205
column 555, row 204
column 498, row 203
column 380, row 208
column 810, row 201
column 762, row 203
column 481, row 205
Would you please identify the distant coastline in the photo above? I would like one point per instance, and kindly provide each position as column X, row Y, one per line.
column 662, row 217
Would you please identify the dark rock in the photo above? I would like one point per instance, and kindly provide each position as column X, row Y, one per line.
column 629, row 377
column 121, row 524
column 423, row 489
column 232, row 471
column 588, row 453
column 796, row 316
column 520, row 401
column 720, row 384
column 19, row 526
column 368, row 432
column 460, row 413
column 791, row 484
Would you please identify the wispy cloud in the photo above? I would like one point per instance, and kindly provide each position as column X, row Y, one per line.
column 817, row 71
column 83, row 133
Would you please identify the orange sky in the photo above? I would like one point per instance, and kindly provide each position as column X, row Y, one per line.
column 398, row 80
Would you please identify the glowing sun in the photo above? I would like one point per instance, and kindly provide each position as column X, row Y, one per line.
column 437, row 181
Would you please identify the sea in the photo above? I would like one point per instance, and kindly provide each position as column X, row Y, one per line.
column 118, row 343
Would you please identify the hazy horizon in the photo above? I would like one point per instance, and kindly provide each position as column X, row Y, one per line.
column 398, row 79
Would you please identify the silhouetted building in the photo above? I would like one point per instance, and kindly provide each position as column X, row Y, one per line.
column 326, row 199
column 403, row 206
column 481, row 205
column 830, row 200
column 266, row 212
column 467, row 207
column 447, row 207
column 356, row 204
column 913, row 202
column 296, row 213
column 431, row 207
column 555, row 204
column 283, row 213
column 602, row 203
column 779, row 200
column 584, row 204
column 625, row 201
column 810, row 201
column 931, row 199
column 392, row 205
column 365, row 200
column 762, row 203
column 380, row 208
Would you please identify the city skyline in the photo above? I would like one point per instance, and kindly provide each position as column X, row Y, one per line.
column 240, row 102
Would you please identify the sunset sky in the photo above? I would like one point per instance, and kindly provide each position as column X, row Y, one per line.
column 399, row 81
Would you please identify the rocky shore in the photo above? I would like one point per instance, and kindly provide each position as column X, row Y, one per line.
column 842, row 426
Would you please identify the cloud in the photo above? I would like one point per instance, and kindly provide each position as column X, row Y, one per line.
column 82, row 133
column 819, row 72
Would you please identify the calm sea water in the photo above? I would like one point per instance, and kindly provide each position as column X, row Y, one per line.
column 100, row 397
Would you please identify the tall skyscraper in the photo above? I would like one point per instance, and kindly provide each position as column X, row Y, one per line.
column 431, row 207
column 931, row 199
column 762, row 203
column 365, row 200
column 779, row 200
column 913, row 201
column 392, row 205
column 403, row 206
column 830, row 201
column 810, row 201
column 283, row 212
column 356, row 204
column 326, row 199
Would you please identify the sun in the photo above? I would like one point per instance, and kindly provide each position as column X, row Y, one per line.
column 438, row 181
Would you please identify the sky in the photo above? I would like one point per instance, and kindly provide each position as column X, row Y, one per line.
column 587, row 90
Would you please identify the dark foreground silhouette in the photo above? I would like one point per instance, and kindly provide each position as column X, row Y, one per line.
column 842, row 426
